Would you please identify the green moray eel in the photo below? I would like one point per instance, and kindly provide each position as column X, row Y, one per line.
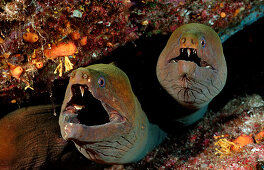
column 192, row 68
column 119, row 133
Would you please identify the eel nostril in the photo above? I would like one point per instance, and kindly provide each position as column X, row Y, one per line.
column 72, row 74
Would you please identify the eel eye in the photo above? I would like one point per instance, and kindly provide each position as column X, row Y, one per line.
column 203, row 43
column 101, row 81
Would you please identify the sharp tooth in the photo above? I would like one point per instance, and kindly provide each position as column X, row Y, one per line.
column 82, row 90
column 77, row 107
column 189, row 52
column 208, row 67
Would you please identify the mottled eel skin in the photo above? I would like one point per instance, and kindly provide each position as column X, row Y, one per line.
column 192, row 68
column 127, row 136
column 29, row 139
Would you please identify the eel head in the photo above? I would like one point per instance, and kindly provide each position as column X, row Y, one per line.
column 97, row 112
column 192, row 66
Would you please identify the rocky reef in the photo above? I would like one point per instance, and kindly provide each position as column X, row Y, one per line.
column 229, row 139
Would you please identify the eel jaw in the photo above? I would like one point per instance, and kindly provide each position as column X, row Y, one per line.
column 83, row 110
column 190, row 54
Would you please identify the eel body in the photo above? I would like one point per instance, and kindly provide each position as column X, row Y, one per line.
column 116, row 134
column 30, row 138
column 192, row 68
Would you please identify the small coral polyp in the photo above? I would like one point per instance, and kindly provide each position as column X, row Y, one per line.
column 39, row 64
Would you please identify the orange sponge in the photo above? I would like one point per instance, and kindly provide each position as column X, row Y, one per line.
column 62, row 49
column 16, row 71
column 75, row 35
column 241, row 141
column 83, row 41
column 30, row 37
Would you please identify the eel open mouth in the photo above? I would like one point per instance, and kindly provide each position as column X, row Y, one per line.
column 190, row 54
column 83, row 108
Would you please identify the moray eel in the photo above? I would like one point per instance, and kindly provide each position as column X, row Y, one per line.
column 103, row 117
column 192, row 68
